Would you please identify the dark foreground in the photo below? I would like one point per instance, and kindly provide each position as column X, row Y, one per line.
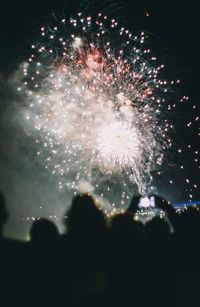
column 103, row 262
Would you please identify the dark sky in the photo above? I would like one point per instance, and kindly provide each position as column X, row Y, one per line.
column 174, row 30
column 175, row 23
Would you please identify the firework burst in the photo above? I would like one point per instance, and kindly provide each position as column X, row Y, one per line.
column 96, row 103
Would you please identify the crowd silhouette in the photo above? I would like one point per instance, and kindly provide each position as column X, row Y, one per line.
column 103, row 262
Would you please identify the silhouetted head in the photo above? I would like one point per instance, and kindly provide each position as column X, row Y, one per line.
column 43, row 231
column 84, row 217
column 3, row 212
column 157, row 229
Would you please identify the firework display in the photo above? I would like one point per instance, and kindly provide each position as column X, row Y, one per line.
column 98, row 107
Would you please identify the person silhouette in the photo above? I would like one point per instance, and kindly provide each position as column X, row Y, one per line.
column 43, row 233
column 44, row 248
column 12, row 264
column 86, row 252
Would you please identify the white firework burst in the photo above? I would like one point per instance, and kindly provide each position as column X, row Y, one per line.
column 95, row 102
column 118, row 145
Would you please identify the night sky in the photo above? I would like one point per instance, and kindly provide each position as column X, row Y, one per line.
column 173, row 27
